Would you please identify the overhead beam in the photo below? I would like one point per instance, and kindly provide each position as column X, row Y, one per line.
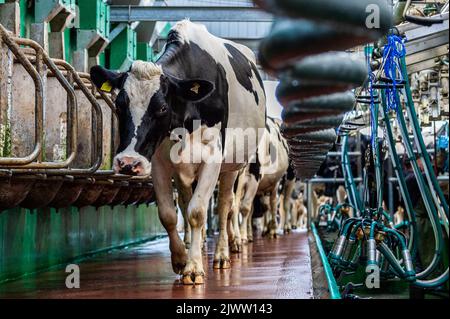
column 201, row 14
column 116, row 31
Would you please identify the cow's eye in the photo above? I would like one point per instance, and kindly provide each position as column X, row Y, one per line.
column 163, row 109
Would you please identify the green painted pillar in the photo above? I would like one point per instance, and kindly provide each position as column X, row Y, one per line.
column 144, row 52
column 123, row 50
column 50, row 19
column 92, row 35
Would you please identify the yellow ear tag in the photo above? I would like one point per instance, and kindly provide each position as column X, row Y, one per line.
column 195, row 88
column 106, row 87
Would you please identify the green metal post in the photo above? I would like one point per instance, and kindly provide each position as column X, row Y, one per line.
column 424, row 190
column 332, row 284
column 429, row 172
column 400, row 175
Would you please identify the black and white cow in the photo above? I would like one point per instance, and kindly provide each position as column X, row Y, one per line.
column 287, row 188
column 262, row 178
column 198, row 77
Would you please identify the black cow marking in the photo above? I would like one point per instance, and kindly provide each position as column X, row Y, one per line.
column 243, row 68
column 191, row 61
column 255, row 168
column 152, row 120
column 235, row 186
column 290, row 174
column 258, row 207
column 126, row 125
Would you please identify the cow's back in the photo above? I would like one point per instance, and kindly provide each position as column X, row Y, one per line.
column 246, row 107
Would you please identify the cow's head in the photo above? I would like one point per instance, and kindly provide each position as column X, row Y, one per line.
column 147, row 103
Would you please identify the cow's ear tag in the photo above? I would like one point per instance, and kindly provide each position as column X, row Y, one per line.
column 106, row 87
column 195, row 87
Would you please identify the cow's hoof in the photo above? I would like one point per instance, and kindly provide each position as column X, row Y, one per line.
column 187, row 245
column 187, row 280
column 192, row 279
column 178, row 267
column 178, row 256
column 250, row 239
column 178, row 262
column 236, row 246
column 294, row 227
column 199, row 280
column 222, row 264
column 272, row 234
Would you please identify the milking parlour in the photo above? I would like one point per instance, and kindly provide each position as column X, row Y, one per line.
column 245, row 154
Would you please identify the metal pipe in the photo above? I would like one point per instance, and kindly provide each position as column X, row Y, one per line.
column 350, row 183
column 399, row 173
column 71, row 108
column 112, row 107
column 424, row 190
column 332, row 284
column 309, row 203
column 97, row 128
column 39, row 101
column 325, row 180
column 441, row 178
column 436, row 192
column 340, row 154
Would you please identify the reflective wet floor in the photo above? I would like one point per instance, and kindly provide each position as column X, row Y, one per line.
column 267, row 268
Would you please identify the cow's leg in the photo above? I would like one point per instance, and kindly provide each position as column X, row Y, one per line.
column 288, row 189
column 207, row 179
column 236, row 241
column 162, row 180
column 304, row 219
column 266, row 215
column 250, row 226
column 288, row 209
column 246, row 206
column 204, row 236
column 294, row 214
column 272, row 226
column 283, row 213
column 185, row 195
column 315, row 205
column 230, row 228
column 234, row 234
column 222, row 255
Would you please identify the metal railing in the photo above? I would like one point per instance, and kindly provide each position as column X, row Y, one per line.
column 99, row 185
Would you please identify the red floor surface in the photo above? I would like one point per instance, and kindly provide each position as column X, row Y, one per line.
column 267, row 268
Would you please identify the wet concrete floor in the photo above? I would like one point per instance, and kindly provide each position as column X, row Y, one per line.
column 267, row 268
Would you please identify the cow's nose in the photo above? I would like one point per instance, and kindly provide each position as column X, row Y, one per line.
column 129, row 166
